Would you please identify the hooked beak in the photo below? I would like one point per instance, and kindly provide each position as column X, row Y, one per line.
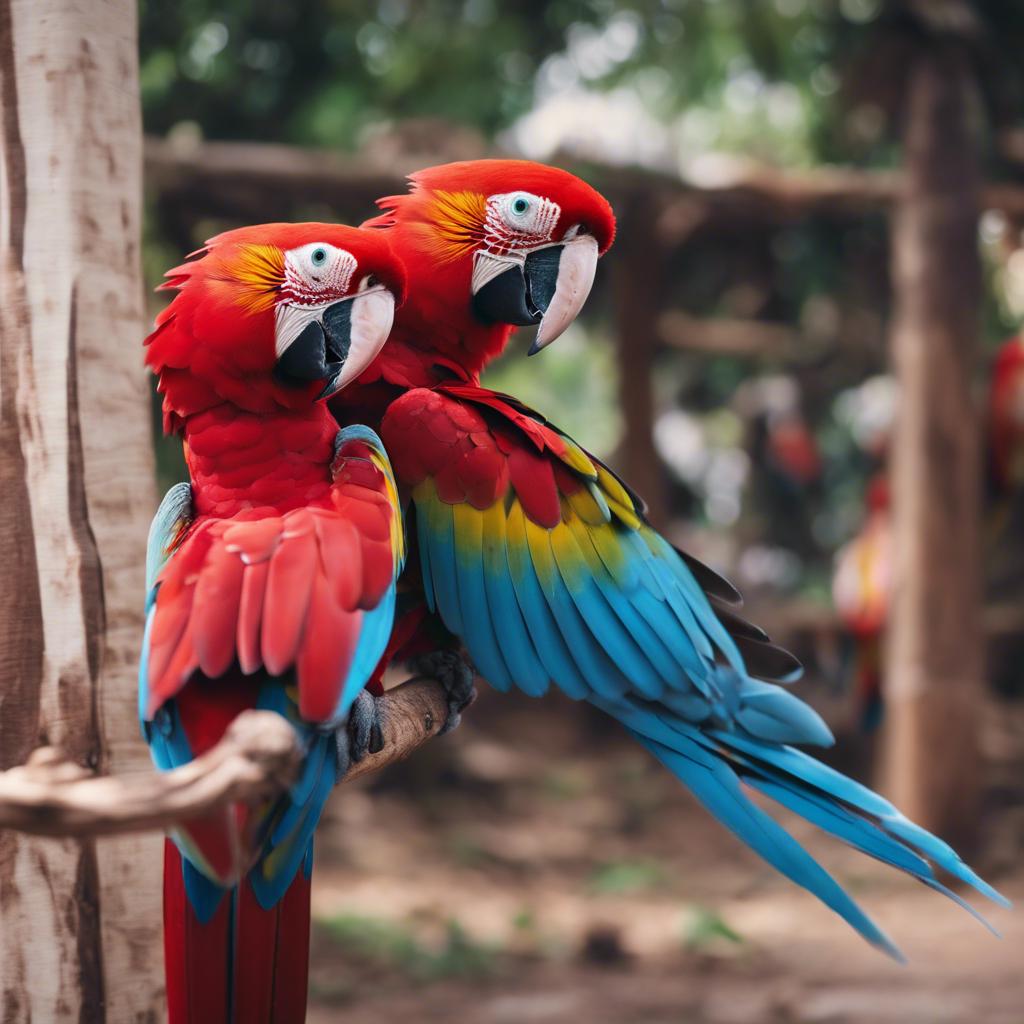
column 334, row 342
column 546, row 286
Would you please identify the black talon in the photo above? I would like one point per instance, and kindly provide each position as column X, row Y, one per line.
column 454, row 673
column 360, row 734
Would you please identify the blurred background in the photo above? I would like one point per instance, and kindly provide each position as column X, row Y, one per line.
column 820, row 208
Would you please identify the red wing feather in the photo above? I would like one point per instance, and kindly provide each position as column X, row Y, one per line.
column 216, row 604
column 475, row 446
column 281, row 592
column 250, row 616
column 288, row 592
column 323, row 666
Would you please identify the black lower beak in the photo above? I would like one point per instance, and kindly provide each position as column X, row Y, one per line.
column 520, row 296
column 319, row 352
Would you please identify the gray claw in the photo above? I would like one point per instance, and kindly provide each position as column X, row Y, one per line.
column 454, row 673
column 360, row 734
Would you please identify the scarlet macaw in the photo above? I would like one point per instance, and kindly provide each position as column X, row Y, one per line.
column 860, row 591
column 539, row 559
column 1006, row 418
column 271, row 584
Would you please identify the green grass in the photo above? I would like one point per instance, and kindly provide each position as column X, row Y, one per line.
column 704, row 928
column 627, row 876
column 392, row 945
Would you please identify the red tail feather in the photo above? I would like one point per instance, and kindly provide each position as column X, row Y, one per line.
column 246, row 965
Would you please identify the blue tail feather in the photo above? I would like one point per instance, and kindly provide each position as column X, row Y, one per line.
column 713, row 762
column 717, row 787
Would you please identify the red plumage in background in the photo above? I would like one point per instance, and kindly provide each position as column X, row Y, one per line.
column 860, row 590
column 1006, row 418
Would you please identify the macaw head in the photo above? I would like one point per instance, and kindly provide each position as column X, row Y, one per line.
column 273, row 316
column 496, row 244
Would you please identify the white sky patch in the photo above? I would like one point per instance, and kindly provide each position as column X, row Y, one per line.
column 868, row 410
column 609, row 126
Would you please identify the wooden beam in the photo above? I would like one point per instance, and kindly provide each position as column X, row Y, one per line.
column 253, row 180
column 730, row 336
column 934, row 672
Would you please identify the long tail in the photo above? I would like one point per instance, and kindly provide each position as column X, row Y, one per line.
column 229, row 961
column 712, row 762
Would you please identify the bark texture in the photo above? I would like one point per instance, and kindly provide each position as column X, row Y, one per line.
column 80, row 935
column 934, row 663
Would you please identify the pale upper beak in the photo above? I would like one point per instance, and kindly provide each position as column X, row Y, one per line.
column 545, row 286
column 332, row 342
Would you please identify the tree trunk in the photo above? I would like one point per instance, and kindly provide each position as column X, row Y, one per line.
column 79, row 940
column 636, row 288
column 934, row 661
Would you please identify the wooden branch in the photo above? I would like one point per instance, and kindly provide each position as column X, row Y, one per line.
column 257, row 757
column 247, row 180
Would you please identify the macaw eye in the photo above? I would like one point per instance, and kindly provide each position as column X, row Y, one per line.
column 520, row 207
column 526, row 213
column 318, row 271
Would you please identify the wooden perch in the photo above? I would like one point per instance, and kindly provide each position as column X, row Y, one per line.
column 257, row 757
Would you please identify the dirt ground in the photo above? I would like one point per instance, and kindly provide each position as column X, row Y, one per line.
column 534, row 867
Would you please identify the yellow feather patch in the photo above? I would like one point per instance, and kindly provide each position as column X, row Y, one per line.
column 454, row 223
column 380, row 460
column 625, row 514
column 612, row 488
column 576, row 458
column 260, row 271
column 424, row 491
column 584, row 505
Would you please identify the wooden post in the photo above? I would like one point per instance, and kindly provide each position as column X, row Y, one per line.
column 934, row 660
column 636, row 288
column 79, row 939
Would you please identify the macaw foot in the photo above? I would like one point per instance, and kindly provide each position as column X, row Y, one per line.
column 360, row 734
column 453, row 672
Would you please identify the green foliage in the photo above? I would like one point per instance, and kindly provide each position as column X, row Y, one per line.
column 321, row 71
column 704, row 928
column 627, row 876
column 395, row 946
column 794, row 80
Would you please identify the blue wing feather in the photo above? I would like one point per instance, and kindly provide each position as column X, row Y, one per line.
column 610, row 612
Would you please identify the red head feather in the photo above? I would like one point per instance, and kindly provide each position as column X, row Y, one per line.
column 215, row 342
column 438, row 225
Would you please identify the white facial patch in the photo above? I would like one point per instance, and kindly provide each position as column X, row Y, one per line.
column 316, row 273
column 517, row 223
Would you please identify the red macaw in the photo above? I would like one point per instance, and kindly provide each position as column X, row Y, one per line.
column 539, row 559
column 860, row 592
column 271, row 584
column 1006, row 418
